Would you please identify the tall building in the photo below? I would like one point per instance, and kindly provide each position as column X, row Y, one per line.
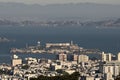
column 112, row 67
column 118, row 57
column 16, row 60
column 108, row 76
column 75, row 57
column 106, row 57
column 62, row 57
column 83, row 58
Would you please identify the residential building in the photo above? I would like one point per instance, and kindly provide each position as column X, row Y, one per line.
column 106, row 57
column 63, row 57
column 83, row 58
column 16, row 60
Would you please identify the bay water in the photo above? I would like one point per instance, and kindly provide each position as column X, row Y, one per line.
column 105, row 39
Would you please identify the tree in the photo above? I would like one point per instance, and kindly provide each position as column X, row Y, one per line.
column 73, row 76
column 61, row 72
column 25, row 67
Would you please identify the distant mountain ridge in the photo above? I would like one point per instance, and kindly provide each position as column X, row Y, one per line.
column 61, row 23
column 56, row 11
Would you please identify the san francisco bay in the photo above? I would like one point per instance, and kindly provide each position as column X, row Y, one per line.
column 105, row 39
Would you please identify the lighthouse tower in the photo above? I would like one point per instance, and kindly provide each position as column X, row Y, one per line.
column 38, row 43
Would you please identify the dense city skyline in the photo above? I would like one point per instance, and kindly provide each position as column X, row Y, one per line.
column 42, row 2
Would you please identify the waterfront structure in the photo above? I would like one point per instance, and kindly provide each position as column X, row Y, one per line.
column 106, row 57
column 62, row 57
column 16, row 60
column 83, row 58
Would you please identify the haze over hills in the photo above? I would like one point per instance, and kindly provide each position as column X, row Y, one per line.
column 20, row 11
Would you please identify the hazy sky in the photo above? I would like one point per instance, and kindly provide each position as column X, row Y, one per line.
column 62, row 1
